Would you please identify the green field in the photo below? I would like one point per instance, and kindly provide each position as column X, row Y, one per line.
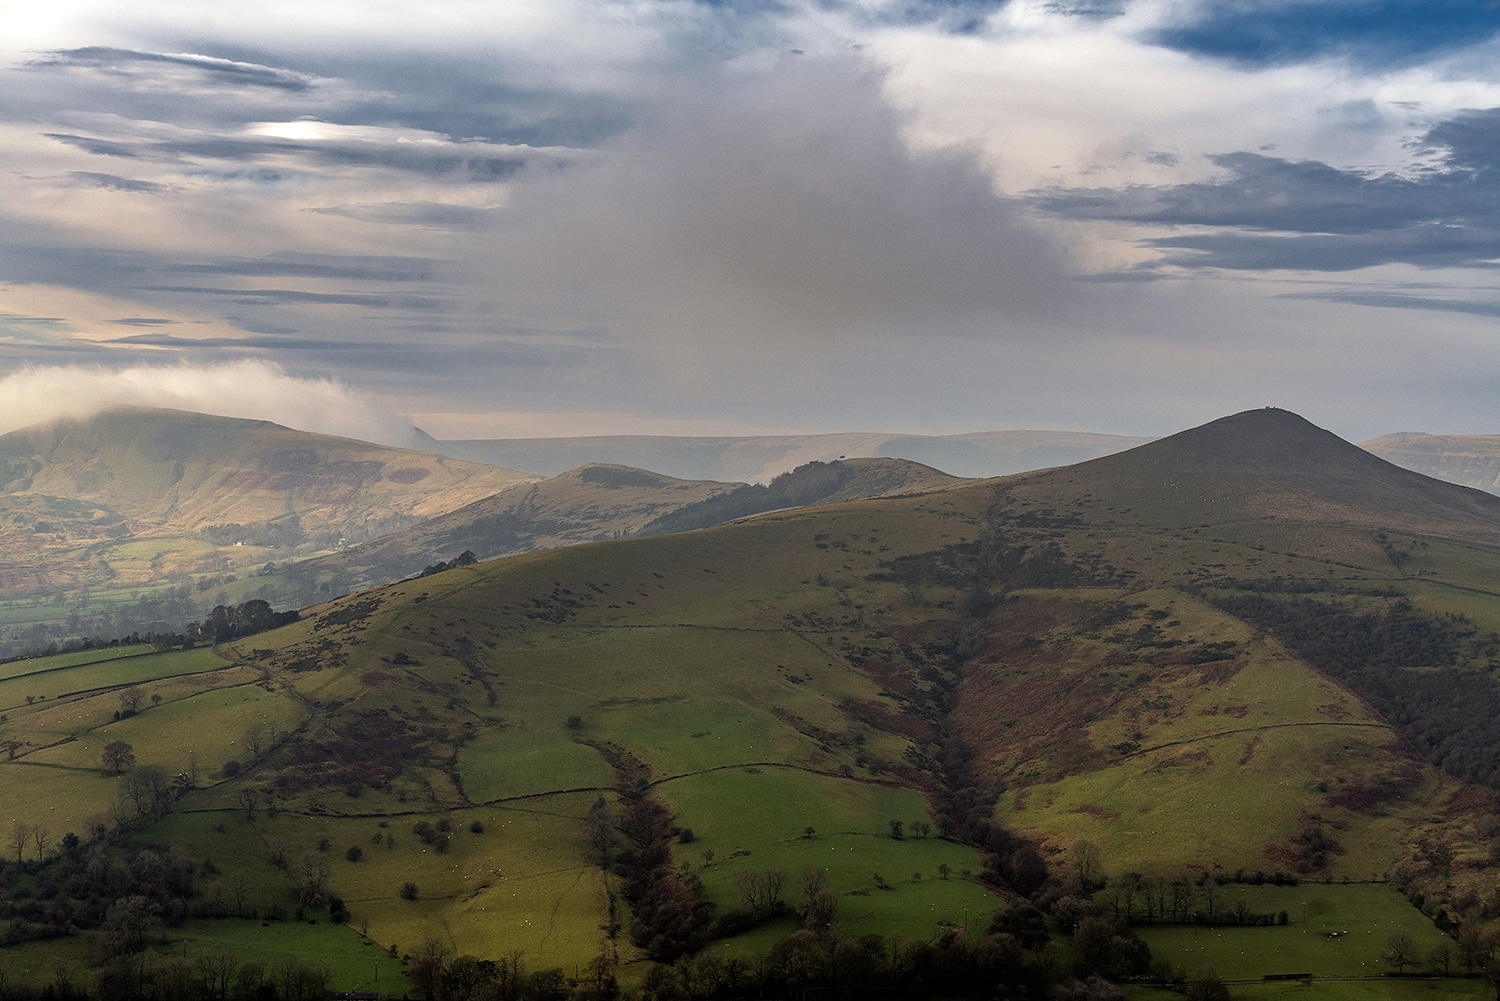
column 1335, row 931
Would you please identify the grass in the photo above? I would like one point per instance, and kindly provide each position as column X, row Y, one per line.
column 850, row 844
column 1363, row 916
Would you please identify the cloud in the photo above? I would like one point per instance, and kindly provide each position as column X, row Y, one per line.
column 1266, row 213
column 128, row 61
column 774, row 210
column 249, row 389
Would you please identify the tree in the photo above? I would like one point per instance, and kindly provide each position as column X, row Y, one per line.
column 131, row 700
column 1087, row 866
column 147, row 787
column 19, row 836
column 1205, row 985
column 896, row 829
column 249, row 798
column 118, row 755
column 255, row 739
column 214, row 969
column 1400, row 951
column 41, row 837
column 1441, row 956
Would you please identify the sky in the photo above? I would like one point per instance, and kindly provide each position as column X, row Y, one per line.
column 535, row 218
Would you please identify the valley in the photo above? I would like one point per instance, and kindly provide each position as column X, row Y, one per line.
column 905, row 740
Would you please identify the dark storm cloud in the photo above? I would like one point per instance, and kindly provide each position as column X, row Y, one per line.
column 114, row 60
column 1375, row 33
column 1272, row 213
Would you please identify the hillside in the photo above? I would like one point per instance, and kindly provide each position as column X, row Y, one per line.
column 1471, row 460
column 1248, row 654
column 758, row 459
column 134, row 496
column 588, row 504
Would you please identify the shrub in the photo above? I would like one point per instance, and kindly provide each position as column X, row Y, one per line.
column 409, row 890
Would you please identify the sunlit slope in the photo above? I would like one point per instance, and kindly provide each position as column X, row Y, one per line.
column 180, row 472
column 140, row 497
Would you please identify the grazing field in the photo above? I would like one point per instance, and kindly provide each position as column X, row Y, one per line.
column 1335, row 931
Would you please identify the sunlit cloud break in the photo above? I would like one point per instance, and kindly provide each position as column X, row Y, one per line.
column 251, row 389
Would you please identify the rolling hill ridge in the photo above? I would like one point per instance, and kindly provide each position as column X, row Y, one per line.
column 1048, row 686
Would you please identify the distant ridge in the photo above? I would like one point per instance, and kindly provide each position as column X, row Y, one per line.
column 758, row 459
column 1472, row 460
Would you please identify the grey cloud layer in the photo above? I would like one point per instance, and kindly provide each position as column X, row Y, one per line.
column 1271, row 213
column 782, row 209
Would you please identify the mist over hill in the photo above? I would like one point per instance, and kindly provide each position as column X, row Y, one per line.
column 759, row 459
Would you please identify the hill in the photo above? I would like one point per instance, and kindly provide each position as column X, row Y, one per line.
column 142, row 521
column 1470, row 460
column 1241, row 657
column 126, row 477
column 589, row 504
column 759, row 459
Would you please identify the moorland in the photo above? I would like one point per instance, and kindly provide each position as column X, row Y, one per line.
column 1212, row 714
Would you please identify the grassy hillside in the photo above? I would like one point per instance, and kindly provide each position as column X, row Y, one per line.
column 141, row 521
column 140, row 500
column 1085, row 687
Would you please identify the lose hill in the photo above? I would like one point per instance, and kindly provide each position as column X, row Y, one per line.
column 1104, row 701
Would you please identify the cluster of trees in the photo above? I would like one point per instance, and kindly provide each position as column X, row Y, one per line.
column 89, row 886
column 438, row 975
column 1013, row 958
column 669, row 916
column 1139, row 899
column 1449, row 712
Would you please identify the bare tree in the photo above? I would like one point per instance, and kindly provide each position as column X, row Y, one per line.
column 1400, row 951
column 214, row 968
column 1441, row 956
column 1087, row 866
column 118, row 755
column 239, row 888
column 41, row 837
column 131, row 700
column 19, row 836
column 249, row 798
column 147, row 787
column 255, row 739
